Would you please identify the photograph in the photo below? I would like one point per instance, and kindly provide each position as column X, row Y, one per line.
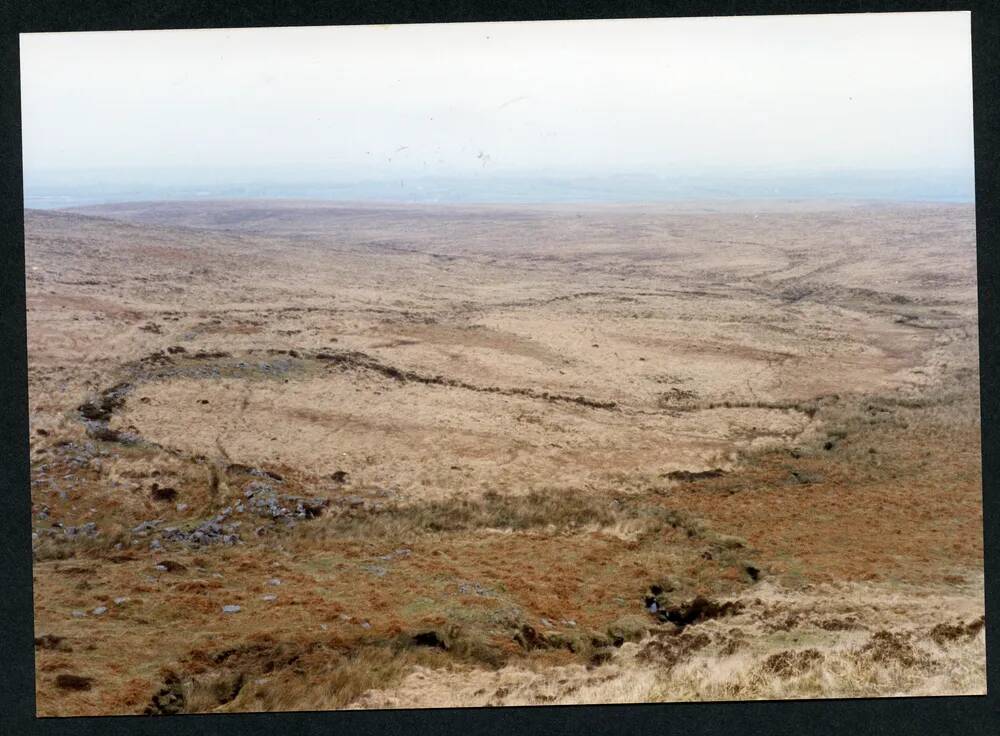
column 522, row 363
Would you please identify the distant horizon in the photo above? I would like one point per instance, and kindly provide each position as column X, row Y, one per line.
column 89, row 188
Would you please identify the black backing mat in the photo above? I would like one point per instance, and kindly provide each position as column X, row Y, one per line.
column 958, row 715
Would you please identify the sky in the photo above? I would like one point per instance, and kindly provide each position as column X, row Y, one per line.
column 659, row 96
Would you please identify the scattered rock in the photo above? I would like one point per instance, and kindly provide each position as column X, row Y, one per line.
column 146, row 527
column 396, row 554
column 262, row 499
column 100, row 610
column 802, row 478
column 171, row 566
column 84, row 530
column 101, row 431
column 213, row 531
column 100, row 408
column 231, row 609
column 474, row 588
column 168, row 700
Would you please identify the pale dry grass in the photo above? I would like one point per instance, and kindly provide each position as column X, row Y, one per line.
column 889, row 650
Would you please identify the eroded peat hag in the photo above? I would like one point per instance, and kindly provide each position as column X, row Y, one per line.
column 432, row 456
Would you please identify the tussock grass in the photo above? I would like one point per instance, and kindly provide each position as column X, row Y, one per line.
column 837, row 671
column 536, row 511
column 749, row 656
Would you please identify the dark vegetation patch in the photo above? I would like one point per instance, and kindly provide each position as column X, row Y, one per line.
column 676, row 398
column 344, row 670
column 945, row 633
column 697, row 610
column 850, row 623
column 66, row 681
column 668, row 651
column 595, row 647
column 687, row 476
column 790, row 663
column 162, row 494
column 100, row 408
column 53, row 642
column 735, row 641
column 430, row 639
column 887, row 647
column 534, row 510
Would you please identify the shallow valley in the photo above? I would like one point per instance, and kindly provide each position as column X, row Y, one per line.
column 300, row 455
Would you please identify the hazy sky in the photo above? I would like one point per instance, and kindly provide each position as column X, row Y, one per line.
column 865, row 91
